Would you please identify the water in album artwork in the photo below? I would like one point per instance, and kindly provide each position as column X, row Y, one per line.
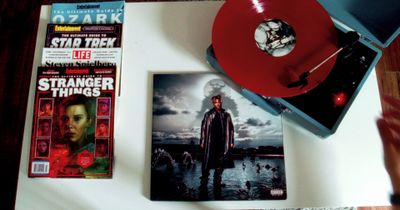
column 73, row 122
column 210, row 143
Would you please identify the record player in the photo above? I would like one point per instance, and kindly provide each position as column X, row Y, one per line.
column 320, row 109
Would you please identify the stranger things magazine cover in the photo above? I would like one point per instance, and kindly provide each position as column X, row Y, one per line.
column 211, row 143
column 73, row 122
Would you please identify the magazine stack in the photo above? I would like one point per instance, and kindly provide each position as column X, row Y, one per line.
column 75, row 92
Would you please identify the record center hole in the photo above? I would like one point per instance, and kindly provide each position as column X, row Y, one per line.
column 275, row 37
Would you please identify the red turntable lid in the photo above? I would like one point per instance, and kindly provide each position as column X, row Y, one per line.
column 265, row 44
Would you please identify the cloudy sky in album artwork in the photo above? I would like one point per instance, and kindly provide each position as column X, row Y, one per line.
column 180, row 101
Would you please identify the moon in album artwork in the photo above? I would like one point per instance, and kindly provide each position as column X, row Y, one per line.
column 215, row 87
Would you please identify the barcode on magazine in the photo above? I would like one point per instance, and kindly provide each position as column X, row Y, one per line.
column 40, row 167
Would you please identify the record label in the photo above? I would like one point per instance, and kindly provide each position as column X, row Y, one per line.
column 263, row 45
column 275, row 37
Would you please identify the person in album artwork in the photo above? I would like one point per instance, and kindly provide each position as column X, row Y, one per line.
column 42, row 148
column 103, row 107
column 216, row 139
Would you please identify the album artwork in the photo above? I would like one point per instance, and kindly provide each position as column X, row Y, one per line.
column 210, row 143
column 73, row 123
column 88, row 12
column 83, row 36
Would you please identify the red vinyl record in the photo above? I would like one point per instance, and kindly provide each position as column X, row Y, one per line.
column 264, row 45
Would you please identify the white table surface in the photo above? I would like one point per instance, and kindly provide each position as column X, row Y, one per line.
column 345, row 169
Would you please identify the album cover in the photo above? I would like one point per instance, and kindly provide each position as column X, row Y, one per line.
column 210, row 143
column 88, row 12
column 83, row 36
column 73, row 123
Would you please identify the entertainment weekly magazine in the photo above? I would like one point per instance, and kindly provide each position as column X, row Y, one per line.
column 83, row 36
column 88, row 12
column 73, row 123
column 210, row 143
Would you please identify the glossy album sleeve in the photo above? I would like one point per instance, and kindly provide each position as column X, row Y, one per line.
column 210, row 143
